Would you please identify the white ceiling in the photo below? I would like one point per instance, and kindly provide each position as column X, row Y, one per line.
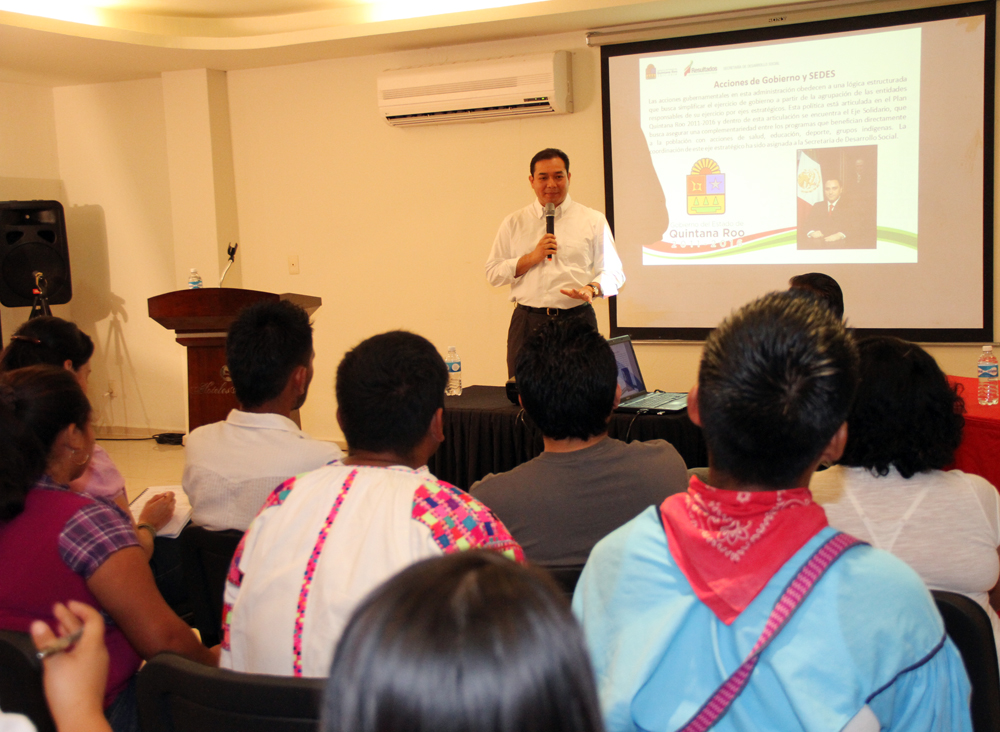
column 67, row 42
column 222, row 8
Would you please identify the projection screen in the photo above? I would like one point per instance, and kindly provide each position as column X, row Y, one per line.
column 860, row 147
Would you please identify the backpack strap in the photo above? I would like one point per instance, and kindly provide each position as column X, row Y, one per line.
column 790, row 600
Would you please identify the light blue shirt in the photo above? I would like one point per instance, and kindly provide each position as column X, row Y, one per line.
column 868, row 633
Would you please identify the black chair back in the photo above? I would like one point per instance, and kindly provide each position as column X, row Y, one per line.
column 205, row 558
column 969, row 627
column 21, row 680
column 566, row 576
column 178, row 695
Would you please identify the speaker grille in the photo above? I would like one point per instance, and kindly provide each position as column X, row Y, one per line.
column 33, row 239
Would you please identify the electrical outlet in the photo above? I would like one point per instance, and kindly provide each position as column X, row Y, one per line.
column 293, row 264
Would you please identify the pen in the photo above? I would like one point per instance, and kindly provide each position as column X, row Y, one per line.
column 60, row 644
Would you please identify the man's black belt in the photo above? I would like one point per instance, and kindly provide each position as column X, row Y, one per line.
column 555, row 312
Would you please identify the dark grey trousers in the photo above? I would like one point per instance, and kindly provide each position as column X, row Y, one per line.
column 523, row 323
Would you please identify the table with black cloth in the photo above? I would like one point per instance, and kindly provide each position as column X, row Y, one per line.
column 485, row 433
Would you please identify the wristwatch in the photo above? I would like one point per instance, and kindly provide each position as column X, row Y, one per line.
column 595, row 287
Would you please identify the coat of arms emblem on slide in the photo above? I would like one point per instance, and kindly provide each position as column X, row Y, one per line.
column 706, row 188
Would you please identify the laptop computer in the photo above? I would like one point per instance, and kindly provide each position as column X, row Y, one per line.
column 635, row 398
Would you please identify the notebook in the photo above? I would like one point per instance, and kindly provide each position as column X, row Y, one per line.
column 182, row 508
column 635, row 398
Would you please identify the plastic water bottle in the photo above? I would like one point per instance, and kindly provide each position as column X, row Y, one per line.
column 989, row 383
column 454, row 364
column 194, row 280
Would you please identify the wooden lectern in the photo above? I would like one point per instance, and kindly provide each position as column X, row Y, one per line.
column 200, row 318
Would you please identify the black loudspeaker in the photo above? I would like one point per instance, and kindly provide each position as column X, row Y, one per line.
column 33, row 239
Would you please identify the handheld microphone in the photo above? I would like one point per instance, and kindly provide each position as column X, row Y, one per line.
column 550, row 223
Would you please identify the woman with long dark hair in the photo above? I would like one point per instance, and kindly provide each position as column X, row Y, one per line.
column 890, row 487
column 467, row 642
column 57, row 342
column 57, row 545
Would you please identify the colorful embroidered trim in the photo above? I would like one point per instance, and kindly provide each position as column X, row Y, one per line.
column 276, row 498
column 458, row 521
column 797, row 590
column 235, row 576
column 227, row 617
column 278, row 495
column 300, row 610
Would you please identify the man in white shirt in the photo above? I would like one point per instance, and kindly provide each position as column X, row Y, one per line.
column 552, row 275
column 232, row 466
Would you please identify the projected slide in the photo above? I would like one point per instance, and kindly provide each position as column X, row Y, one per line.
column 861, row 148
column 761, row 152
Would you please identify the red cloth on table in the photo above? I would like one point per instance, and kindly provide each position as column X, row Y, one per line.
column 979, row 452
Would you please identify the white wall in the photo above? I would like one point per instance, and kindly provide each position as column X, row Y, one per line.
column 113, row 163
column 27, row 133
column 29, row 164
column 100, row 150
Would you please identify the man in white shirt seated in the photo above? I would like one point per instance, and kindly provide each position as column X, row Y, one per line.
column 325, row 539
column 232, row 466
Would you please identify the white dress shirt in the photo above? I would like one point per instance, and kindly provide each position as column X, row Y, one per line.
column 231, row 467
column 586, row 253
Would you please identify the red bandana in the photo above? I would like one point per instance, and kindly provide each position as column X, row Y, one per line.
column 729, row 544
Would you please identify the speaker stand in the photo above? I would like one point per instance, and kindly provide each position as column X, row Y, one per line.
column 40, row 306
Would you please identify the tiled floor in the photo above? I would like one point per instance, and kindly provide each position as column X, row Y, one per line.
column 145, row 464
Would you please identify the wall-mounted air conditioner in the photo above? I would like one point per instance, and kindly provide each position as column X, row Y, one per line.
column 503, row 87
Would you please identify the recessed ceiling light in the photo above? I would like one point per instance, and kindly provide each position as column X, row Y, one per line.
column 404, row 9
column 67, row 10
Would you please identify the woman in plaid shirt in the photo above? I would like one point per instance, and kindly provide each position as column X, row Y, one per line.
column 57, row 545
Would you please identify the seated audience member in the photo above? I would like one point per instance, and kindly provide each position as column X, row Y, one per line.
column 326, row 538
column 466, row 643
column 57, row 545
column 231, row 467
column 889, row 488
column 58, row 342
column 823, row 287
column 74, row 679
column 675, row 602
column 585, row 484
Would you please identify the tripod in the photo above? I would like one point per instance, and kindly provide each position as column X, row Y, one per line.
column 41, row 292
